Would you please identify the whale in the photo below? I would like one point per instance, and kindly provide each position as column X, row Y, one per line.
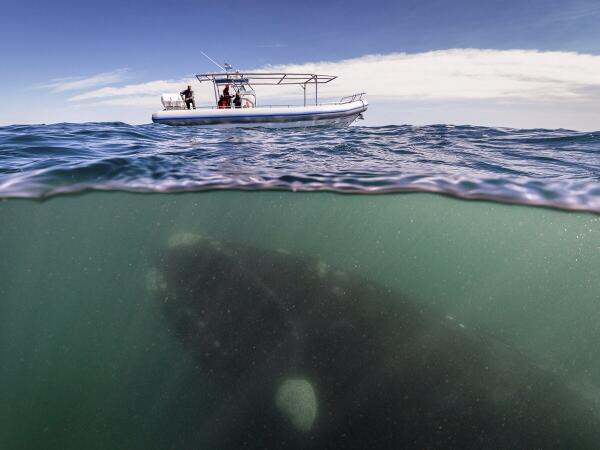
column 301, row 355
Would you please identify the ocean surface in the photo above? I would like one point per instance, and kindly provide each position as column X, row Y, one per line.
column 414, row 287
column 557, row 168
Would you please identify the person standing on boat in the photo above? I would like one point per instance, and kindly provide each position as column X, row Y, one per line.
column 227, row 96
column 188, row 97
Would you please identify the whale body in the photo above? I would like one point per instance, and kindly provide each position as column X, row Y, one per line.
column 301, row 355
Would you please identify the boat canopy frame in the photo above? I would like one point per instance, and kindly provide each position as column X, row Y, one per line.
column 239, row 80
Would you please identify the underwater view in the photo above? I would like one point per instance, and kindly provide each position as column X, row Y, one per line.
column 390, row 287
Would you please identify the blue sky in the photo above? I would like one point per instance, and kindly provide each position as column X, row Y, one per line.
column 44, row 42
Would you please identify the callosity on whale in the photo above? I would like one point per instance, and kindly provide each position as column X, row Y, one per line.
column 305, row 356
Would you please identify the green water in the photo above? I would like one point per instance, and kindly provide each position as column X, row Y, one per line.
column 87, row 359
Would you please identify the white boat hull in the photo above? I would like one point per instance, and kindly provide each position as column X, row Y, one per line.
column 327, row 115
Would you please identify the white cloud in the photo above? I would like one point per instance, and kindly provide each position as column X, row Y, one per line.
column 275, row 45
column 79, row 83
column 570, row 13
column 149, row 88
column 463, row 74
column 458, row 75
column 150, row 101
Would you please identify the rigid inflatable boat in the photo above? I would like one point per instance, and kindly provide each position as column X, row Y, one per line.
column 245, row 112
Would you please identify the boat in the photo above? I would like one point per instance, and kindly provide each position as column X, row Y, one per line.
column 248, row 113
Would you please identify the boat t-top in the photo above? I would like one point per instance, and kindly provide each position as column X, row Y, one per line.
column 246, row 111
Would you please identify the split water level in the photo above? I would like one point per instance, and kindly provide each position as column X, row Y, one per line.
column 414, row 287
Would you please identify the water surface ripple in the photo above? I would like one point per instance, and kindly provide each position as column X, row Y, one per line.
column 557, row 168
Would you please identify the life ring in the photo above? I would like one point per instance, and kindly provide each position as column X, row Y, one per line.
column 248, row 103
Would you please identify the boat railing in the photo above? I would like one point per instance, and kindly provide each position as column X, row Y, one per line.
column 352, row 98
column 343, row 100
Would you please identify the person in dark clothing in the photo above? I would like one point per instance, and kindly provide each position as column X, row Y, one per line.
column 188, row 97
column 222, row 103
column 237, row 100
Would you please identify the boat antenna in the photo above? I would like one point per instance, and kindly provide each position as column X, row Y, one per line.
column 213, row 61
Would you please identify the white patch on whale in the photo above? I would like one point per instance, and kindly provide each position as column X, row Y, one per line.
column 181, row 239
column 155, row 281
column 322, row 269
column 297, row 401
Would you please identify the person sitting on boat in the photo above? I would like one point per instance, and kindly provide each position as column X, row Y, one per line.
column 188, row 97
column 222, row 103
column 237, row 100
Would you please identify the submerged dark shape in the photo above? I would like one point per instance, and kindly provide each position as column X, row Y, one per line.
column 305, row 356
